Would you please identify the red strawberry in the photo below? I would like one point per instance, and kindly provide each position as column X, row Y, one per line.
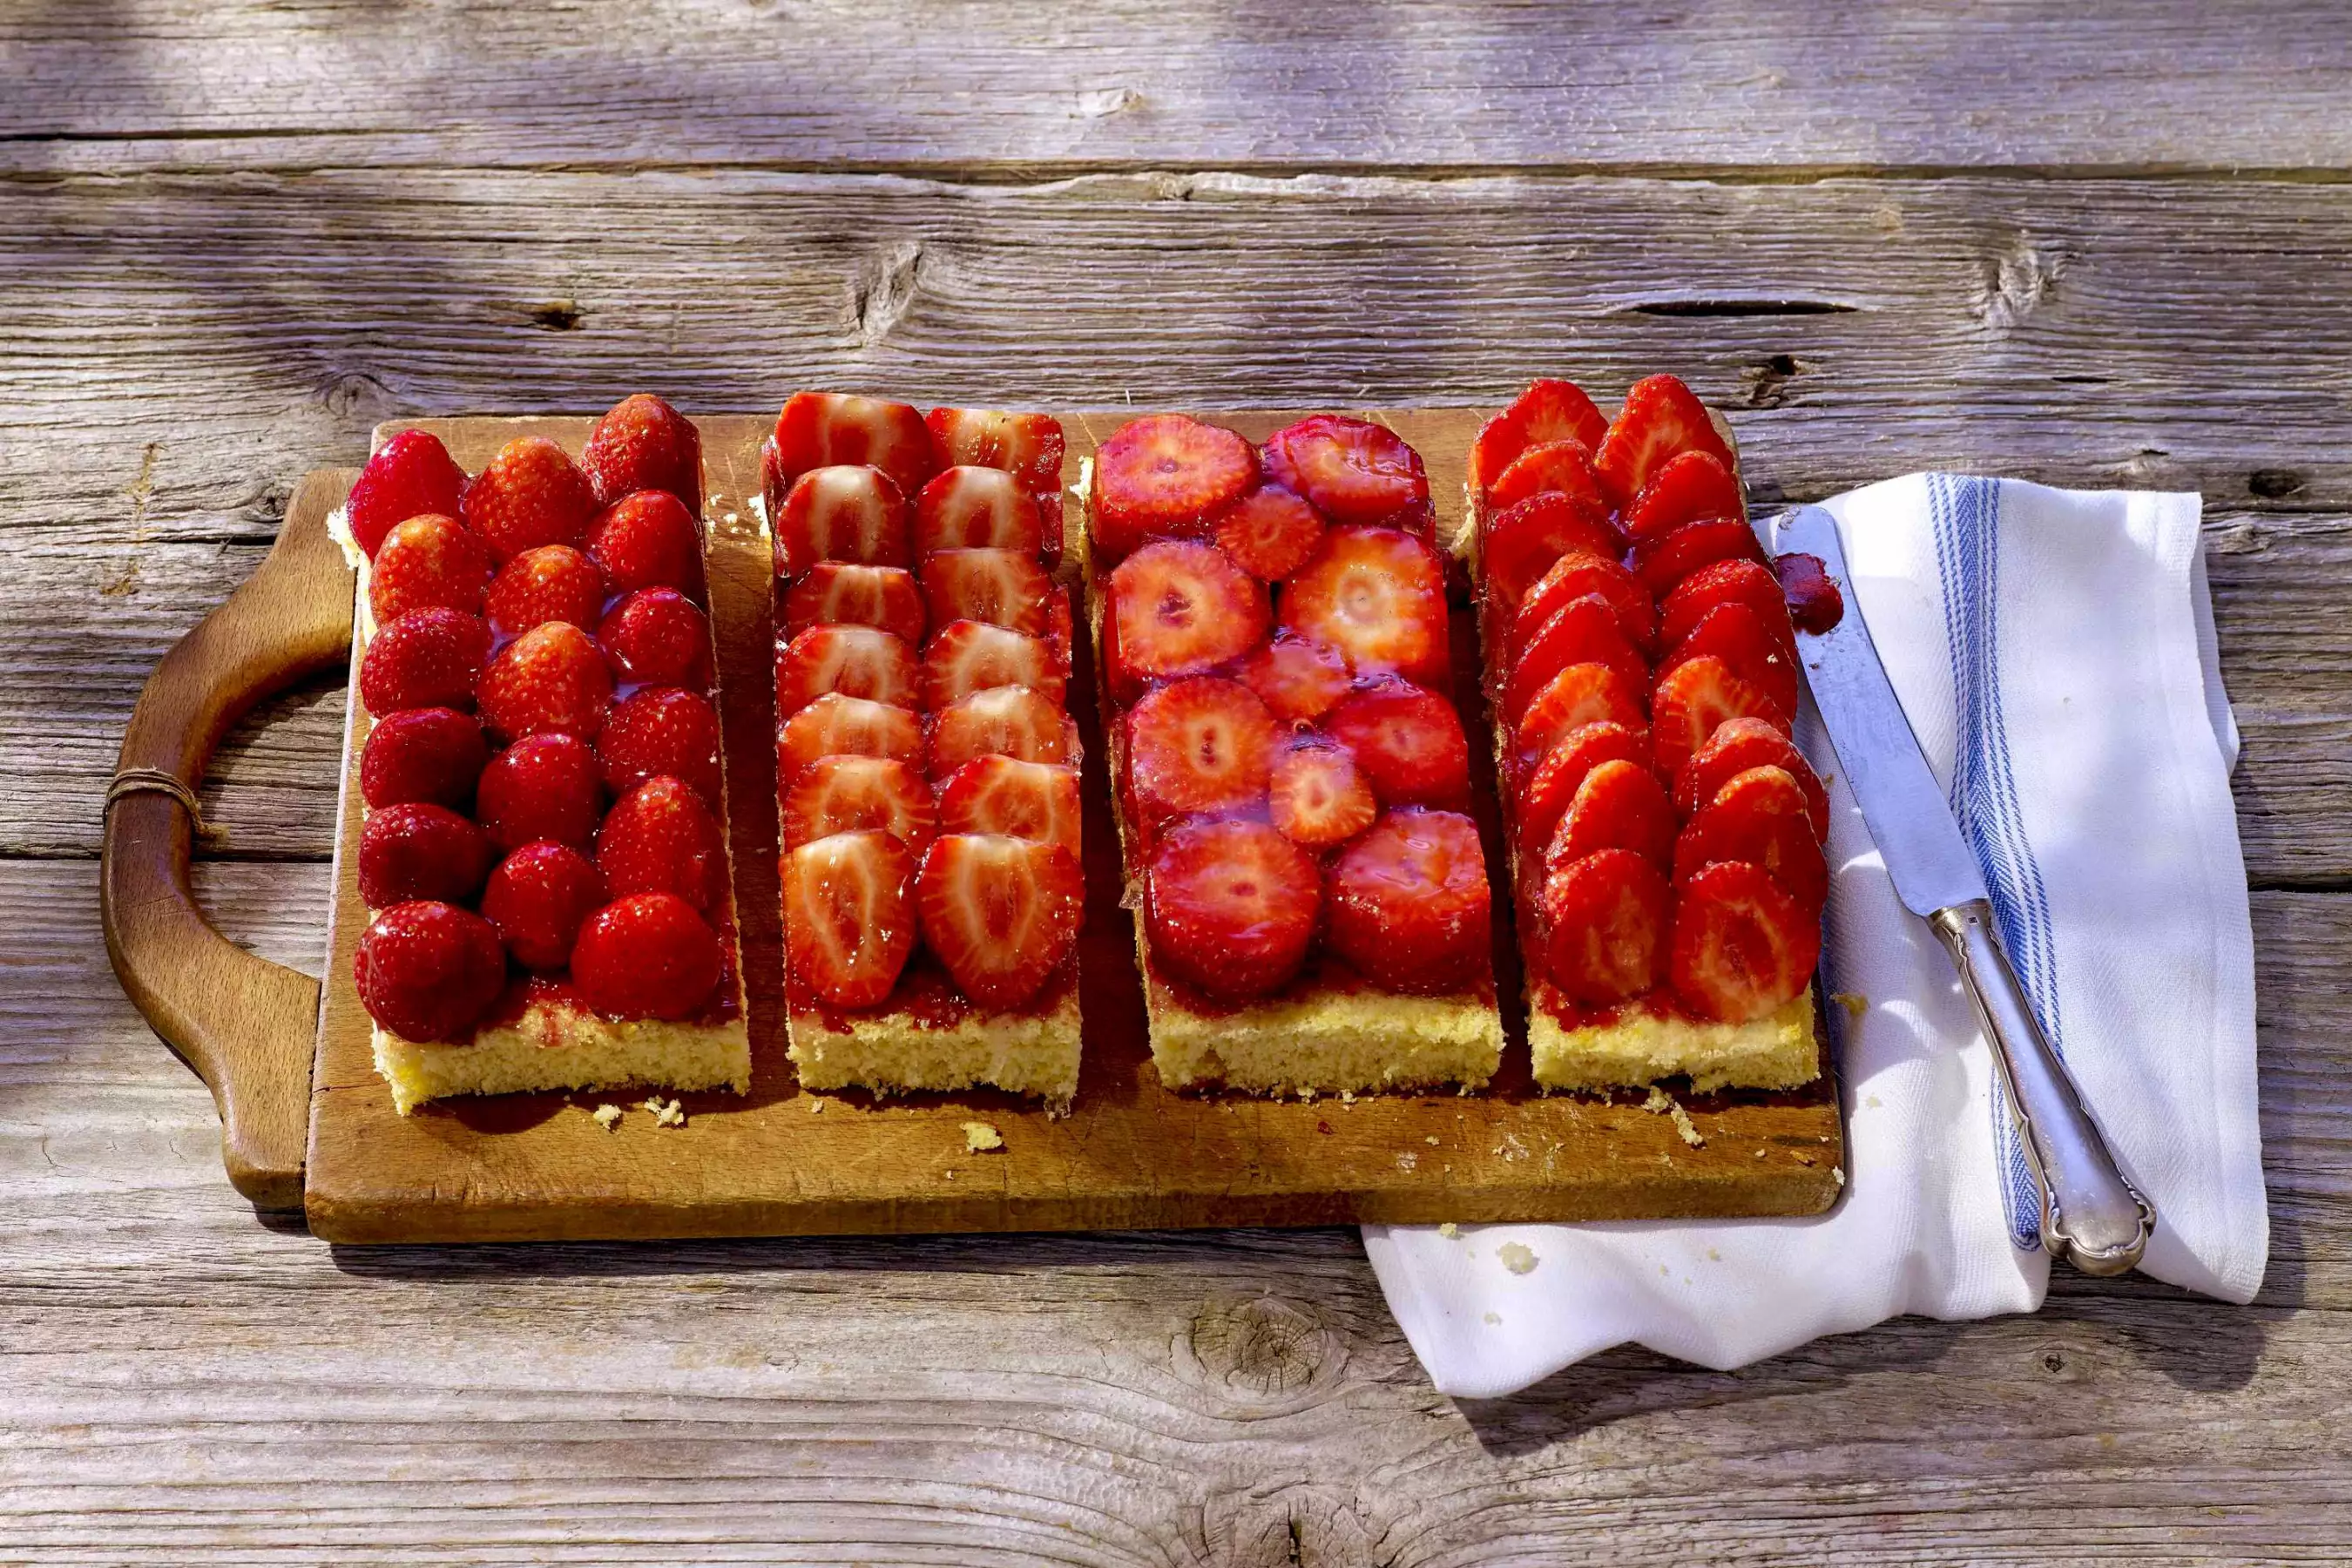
column 1231, row 907
column 662, row 729
column 648, row 541
column 643, row 444
column 420, row 851
column 545, row 786
column 1378, row 596
column 965, row 656
column 1027, row 446
column 1736, row 747
column 1547, row 411
column 1000, row 912
column 1318, row 795
column 660, row 838
column 1523, row 541
column 551, row 583
column 1352, row 471
column 538, row 899
column 552, row 677
column 1580, row 694
column 1760, row 817
column 1661, row 418
column 426, row 561
column 856, row 661
column 1814, row 602
column 849, row 915
column 1606, row 919
column 1299, row 681
column 532, row 494
column 1410, row 905
column 647, row 955
column 412, row 474
column 1620, row 806
column 1664, row 560
column 1001, row 587
column 1408, row 741
column 819, row 430
column 843, row 593
column 1269, row 532
column 1003, row 721
column 1695, row 696
column 1572, row 576
column 842, row 513
column 1177, row 608
column 1689, row 487
column 978, row 508
column 1732, row 633
column 835, row 725
column 1742, row 944
column 1724, row 583
column 853, row 794
column 1203, row 745
column 657, row 638
column 1165, row 474
column 1564, row 467
column 430, row 754
column 1543, row 798
column 1585, row 631
column 1027, row 800
column 428, row 971
column 427, row 658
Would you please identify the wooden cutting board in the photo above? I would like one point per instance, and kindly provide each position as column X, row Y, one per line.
column 1130, row 1154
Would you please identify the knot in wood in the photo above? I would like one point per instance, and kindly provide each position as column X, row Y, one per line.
column 1262, row 1349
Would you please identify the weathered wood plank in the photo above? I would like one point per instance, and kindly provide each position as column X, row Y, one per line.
column 1195, row 84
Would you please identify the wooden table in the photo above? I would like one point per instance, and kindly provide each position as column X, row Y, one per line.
column 2102, row 243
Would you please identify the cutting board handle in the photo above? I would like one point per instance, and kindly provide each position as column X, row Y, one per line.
column 248, row 1026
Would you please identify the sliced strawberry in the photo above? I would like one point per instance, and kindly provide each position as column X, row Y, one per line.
column 1543, row 797
column 1814, row 602
column 1269, row 532
column 835, row 725
column 1742, row 944
column 662, row 729
column 1739, row 582
column 538, row 899
column 549, row 583
column 1001, row 587
column 1689, row 487
column 420, row 851
column 1736, row 747
column 1760, row 817
column 821, row 429
column 1661, row 417
column 1178, row 608
column 843, row 593
column 1547, row 411
column 1410, row 905
column 1663, row 560
column 1562, row 467
column 431, row 754
column 1378, row 596
column 1002, row 722
column 1231, row 907
column 1027, row 446
column 1203, row 745
column 1695, row 698
column 1581, row 694
column 1606, row 923
column 1061, row 625
column 657, row 638
column 648, row 541
column 1165, row 475
column 532, row 494
column 1318, row 796
column 978, row 508
column 1000, row 912
column 965, row 656
column 428, row 562
column 428, row 971
column 647, row 955
column 1585, row 631
column 842, row 512
column 660, row 838
column 1523, row 541
column 412, row 474
column 1353, row 472
column 1028, row 800
column 1572, row 576
column 542, row 786
column 856, row 661
column 553, row 679
column 1298, row 680
column 849, row 915
column 1409, row 741
column 426, row 658
column 1733, row 633
column 643, row 444
column 853, row 794
column 1620, row 806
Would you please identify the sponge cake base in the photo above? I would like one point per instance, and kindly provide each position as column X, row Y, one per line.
column 557, row 1047
column 1640, row 1045
column 901, row 1050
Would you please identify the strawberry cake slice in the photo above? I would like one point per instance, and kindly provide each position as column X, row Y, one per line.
column 927, row 767
column 1291, row 779
column 1666, row 833
column 544, row 847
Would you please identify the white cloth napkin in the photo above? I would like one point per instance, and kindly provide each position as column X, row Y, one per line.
column 2057, row 647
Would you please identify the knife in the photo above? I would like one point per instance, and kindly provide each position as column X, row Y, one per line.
column 2090, row 1212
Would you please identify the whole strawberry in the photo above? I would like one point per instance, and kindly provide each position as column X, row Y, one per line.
column 420, row 851
column 657, row 638
column 648, row 540
column 426, row 658
column 532, row 494
column 643, row 444
column 661, row 839
column 544, row 786
column 410, row 475
column 550, row 583
column 428, row 971
column 662, row 729
column 551, row 678
column 430, row 754
column 427, row 561
column 538, row 899
column 647, row 955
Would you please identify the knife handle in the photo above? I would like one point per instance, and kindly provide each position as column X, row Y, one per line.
column 2089, row 1211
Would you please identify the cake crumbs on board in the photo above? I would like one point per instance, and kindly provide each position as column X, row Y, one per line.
column 980, row 1138
column 608, row 1116
column 666, row 1114
column 1661, row 1103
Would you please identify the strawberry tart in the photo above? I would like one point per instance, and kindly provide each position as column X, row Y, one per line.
column 927, row 767
column 1292, row 779
column 543, row 849
column 1666, row 833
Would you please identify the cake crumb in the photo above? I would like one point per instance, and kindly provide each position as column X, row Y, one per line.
column 1802, row 1158
column 1450, row 1231
column 1494, row 1317
column 1510, row 1148
column 1429, row 1139
column 1515, row 1258
column 1761, row 1153
column 1661, row 1103
column 1713, row 1255
column 1407, row 1161
column 608, row 1116
column 1855, row 1003
column 1838, row 1176
column 980, row 1138
column 1873, row 1102
column 816, row 1105
column 1348, row 1097
column 666, row 1114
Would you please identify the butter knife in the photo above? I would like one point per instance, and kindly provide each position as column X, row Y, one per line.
column 2090, row 1212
